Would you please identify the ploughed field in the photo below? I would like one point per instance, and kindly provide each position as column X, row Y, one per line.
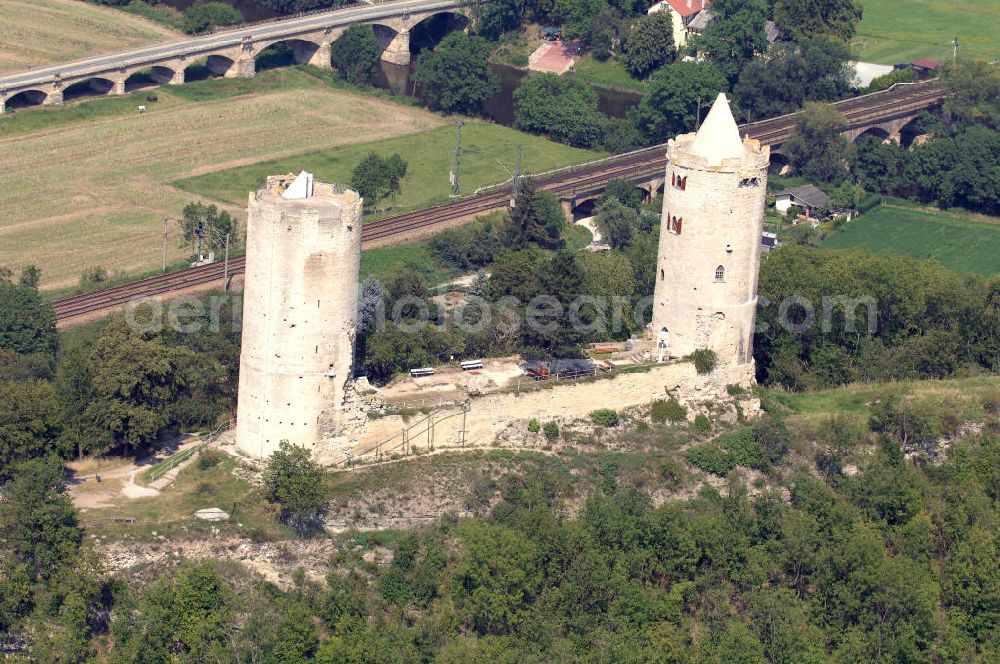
column 41, row 32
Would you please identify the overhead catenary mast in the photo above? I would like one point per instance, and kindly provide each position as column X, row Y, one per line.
column 457, row 167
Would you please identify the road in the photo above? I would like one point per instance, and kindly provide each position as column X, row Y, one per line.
column 195, row 45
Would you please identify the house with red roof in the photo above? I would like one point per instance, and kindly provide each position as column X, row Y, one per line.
column 681, row 12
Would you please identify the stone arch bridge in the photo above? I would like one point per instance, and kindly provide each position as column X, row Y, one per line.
column 229, row 53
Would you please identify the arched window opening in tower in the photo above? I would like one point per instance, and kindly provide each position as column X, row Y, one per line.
column 679, row 182
column 720, row 273
column 750, row 182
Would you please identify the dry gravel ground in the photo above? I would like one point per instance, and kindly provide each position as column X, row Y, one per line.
column 40, row 32
column 95, row 193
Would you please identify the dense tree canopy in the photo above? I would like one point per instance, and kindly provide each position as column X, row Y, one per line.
column 817, row 150
column 807, row 18
column 675, row 96
column 28, row 423
column 204, row 16
column 27, row 324
column 789, row 75
column 650, row 44
column 37, row 517
column 925, row 320
column 356, row 54
column 563, row 107
column 975, row 98
column 617, row 222
column 735, row 35
column 455, row 77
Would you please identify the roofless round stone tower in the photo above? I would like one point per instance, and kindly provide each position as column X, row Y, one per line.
column 300, row 302
column 709, row 251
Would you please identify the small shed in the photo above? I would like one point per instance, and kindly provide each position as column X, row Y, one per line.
column 550, row 33
column 926, row 68
column 768, row 241
column 813, row 201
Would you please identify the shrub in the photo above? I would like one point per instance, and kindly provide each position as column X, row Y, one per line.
column 672, row 473
column 519, row 60
column 210, row 458
column 710, row 458
column 204, row 16
column 534, row 426
column 731, row 449
column 668, row 411
column 743, row 448
column 772, row 438
column 93, row 275
column 702, row 424
column 704, row 360
column 735, row 390
column 551, row 430
column 604, row 417
column 295, row 482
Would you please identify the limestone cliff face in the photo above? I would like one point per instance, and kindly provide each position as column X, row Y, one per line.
column 709, row 251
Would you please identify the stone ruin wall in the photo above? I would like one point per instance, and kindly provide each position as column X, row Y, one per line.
column 498, row 419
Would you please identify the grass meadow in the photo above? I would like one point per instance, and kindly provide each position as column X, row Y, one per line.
column 488, row 152
column 89, row 185
column 893, row 31
column 960, row 243
column 40, row 32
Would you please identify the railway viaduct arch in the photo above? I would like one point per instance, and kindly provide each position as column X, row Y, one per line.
column 897, row 126
column 227, row 54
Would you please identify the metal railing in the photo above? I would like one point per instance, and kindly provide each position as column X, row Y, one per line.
column 163, row 467
column 407, row 436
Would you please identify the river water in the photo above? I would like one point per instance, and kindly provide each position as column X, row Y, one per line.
column 500, row 107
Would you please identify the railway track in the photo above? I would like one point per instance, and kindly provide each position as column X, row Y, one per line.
column 896, row 102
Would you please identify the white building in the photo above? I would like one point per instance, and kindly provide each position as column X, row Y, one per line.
column 682, row 12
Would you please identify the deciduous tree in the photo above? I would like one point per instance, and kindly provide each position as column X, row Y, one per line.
column 356, row 53
column 456, row 77
column 807, row 18
column 817, row 150
column 562, row 107
column 649, row 45
column 675, row 96
column 295, row 482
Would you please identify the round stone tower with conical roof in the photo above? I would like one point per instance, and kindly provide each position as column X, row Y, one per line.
column 709, row 251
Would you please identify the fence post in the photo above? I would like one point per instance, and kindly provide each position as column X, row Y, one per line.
column 465, row 410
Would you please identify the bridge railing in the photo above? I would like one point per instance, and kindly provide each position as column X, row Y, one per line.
column 562, row 170
column 314, row 12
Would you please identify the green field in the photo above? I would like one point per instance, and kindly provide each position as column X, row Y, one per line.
column 893, row 31
column 428, row 154
column 959, row 243
column 609, row 74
